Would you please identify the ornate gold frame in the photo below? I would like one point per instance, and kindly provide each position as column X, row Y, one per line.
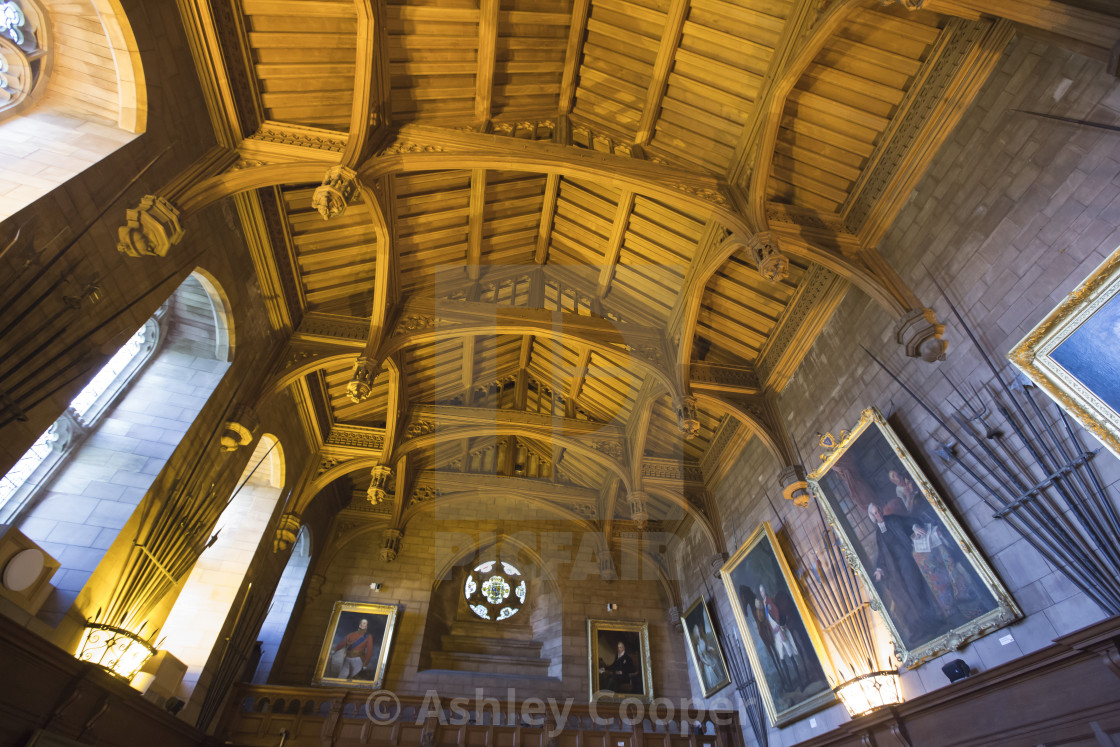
column 692, row 650
column 1032, row 354
column 388, row 610
column 1006, row 610
column 633, row 626
column 815, row 703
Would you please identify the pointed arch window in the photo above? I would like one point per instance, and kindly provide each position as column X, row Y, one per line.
column 23, row 52
column 33, row 469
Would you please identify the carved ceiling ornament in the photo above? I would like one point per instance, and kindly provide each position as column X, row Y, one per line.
column 639, row 508
column 688, row 420
column 377, row 492
column 391, row 544
column 335, row 193
column 361, row 379
column 150, row 229
column 772, row 264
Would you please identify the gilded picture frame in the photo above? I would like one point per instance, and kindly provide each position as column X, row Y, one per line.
column 787, row 654
column 1072, row 354
column 355, row 651
column 619, row 678
column 703, row 648
column 925, row 576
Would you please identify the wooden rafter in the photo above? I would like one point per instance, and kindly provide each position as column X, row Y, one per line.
column 573, row 54
column 663, row 64
column 487, row 51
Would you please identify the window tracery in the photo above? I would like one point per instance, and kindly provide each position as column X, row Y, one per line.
column 495, row 590
column 22, row 53
column 38, row 462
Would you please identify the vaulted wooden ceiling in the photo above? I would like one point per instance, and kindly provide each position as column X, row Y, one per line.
column 581, row 160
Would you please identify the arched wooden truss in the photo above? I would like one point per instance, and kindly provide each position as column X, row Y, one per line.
column 563, row 270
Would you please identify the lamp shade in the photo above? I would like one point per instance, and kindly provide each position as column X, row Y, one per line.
column 869, row 692
column 116, row 650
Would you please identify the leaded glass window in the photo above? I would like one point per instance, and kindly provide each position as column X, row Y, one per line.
column 21, row 52
column 495, row 591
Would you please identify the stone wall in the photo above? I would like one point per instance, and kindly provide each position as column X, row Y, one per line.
column 430, row 543
column 1014, row 212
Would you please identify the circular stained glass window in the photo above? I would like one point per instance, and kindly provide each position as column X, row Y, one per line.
column 495, row 590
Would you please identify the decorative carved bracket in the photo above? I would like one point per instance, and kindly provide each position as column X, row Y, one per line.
column 361, row 380
column 639, row 508
column 687, row 418
column 239, row 431
column 377, row 489
column 286, row 533
column 919, row 332
column 772, row 264
column 335, row 193
column 391, row 544
column 794, row 485
column 150, row 229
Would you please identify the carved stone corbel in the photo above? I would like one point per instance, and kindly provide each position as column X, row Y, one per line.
column 639, row 508
column 238, row 431
column 391, row 544
column 361, row 379
column 687, row 419
column 772, row 264
column 716, row 562
column 377, row 488
column 673, row 615
column 794, row 485
column 607, row 570
column 919, row 332
column 315, row 585
column 334, row 194
column 287, row 531
column 150, row 229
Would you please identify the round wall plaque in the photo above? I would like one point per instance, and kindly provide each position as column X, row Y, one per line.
column 23, row 569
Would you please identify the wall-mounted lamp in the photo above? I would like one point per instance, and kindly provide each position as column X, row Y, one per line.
column 869, row 692
column 116, row 650
column 612, row 607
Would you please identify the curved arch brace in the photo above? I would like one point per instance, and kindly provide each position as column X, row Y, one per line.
column 748, row 419
column 698, row 516
column 512, row 429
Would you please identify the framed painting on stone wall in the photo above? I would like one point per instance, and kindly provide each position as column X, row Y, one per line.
column 704, row 649
column 932, row 586
column 355, row 650
column 1072, row 354
column 618, row 660
column 787, row 654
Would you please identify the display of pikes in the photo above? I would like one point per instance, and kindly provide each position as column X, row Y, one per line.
column 19, row 358
column 1048, row 491
column 839, row 604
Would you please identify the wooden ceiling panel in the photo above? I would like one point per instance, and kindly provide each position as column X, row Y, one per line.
column 741, row 309
column 303, row 62
column 434, row 371
column 371, row 412
column 844, row 103
column 582, row 223
column 621, row 36
column 433, row 59
column 717, row 70
column 512, row 217
column 610, row 388
column 433, row 210
column 529, row 57
column 336, row 259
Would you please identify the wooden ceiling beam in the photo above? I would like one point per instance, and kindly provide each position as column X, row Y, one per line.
column 1097, row 29
column 576, row 384
column 614, row 243
column 662, row 65
column 487, row 51
column 573, row 54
